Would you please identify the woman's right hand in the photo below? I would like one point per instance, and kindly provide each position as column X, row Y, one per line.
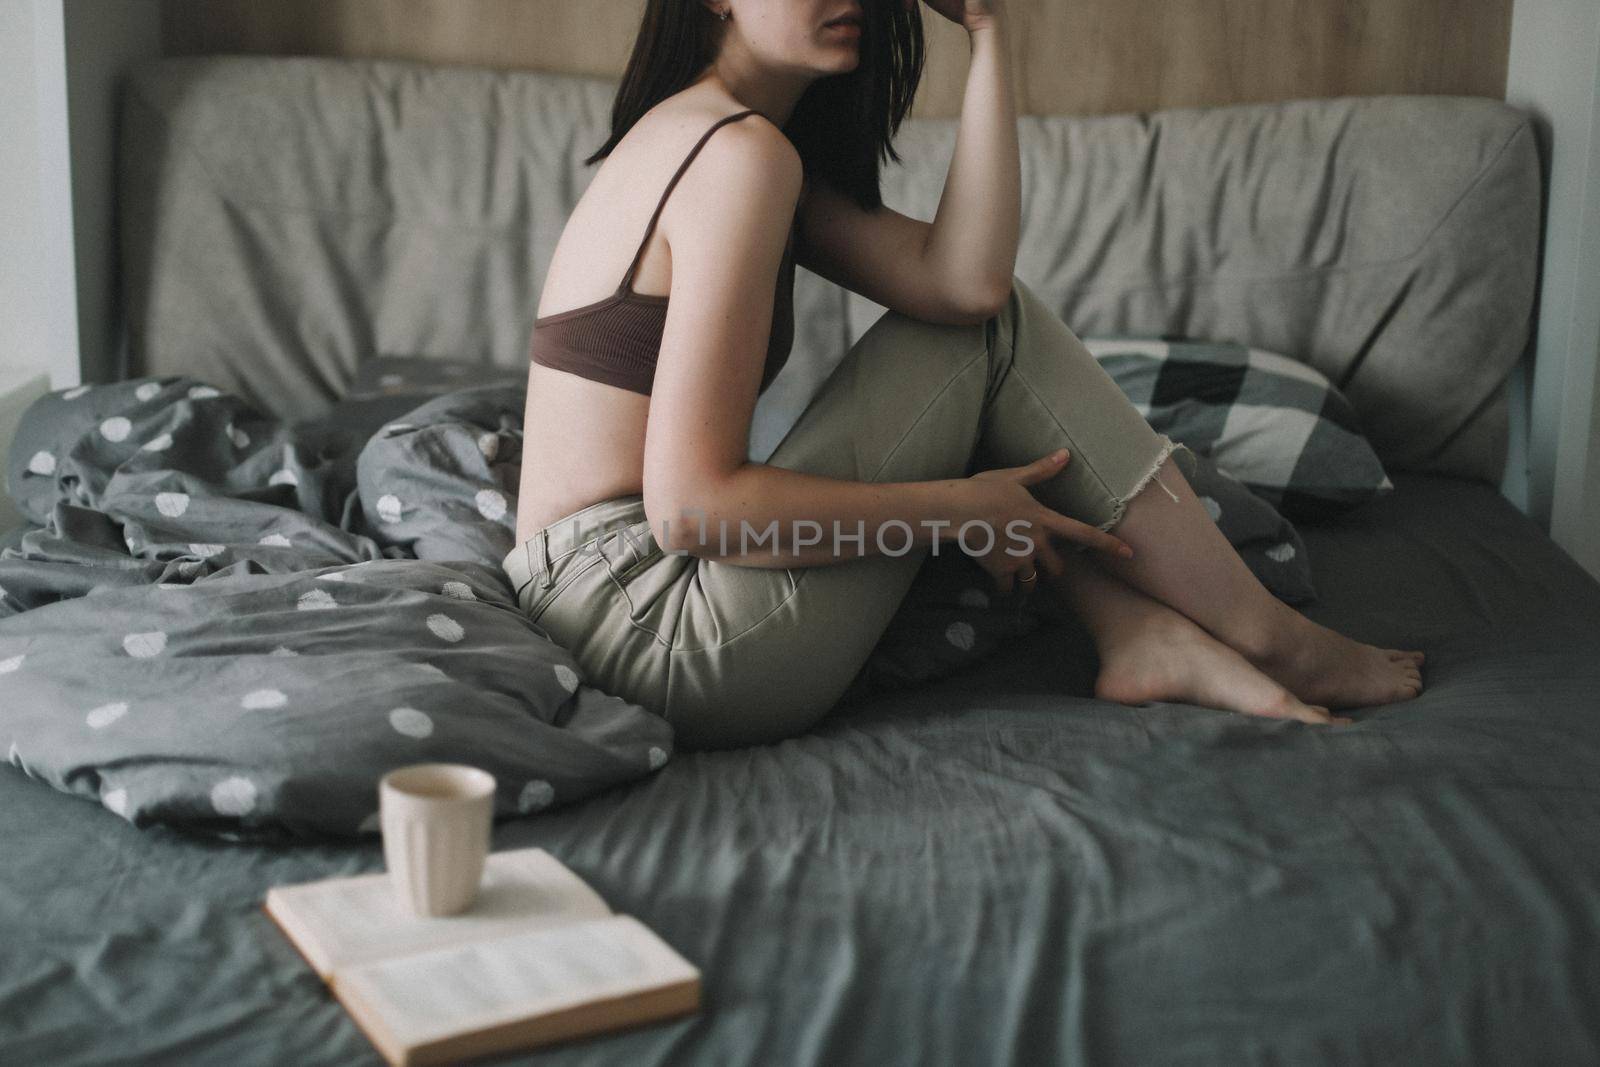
column 1021, row 525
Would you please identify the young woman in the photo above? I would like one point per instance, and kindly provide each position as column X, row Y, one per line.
column 740, row 599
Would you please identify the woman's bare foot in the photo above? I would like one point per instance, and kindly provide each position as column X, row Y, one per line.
column 1162, row 655
column 1325, row 667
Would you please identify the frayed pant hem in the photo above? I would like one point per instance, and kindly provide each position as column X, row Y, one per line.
column 1167, row 448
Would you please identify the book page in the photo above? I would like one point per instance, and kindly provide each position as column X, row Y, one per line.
column 338, row 922
column 451, row 991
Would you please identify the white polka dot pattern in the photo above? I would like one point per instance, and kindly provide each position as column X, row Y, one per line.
column 445, row 628
column 11, row 664
column 42, row 463
column 261, row 699
column 205, row 551
column 106, row 714
column 658, row 757
column 158, row 443
column 961, row 635
column 147, row 391
column 234, row 796
column 491, row 505
column 536, row 796
column 284, row 476
column 203, row 392
column 172, row 504
column 116, row 428
column 276, row 540
column 143, row 646
column 1213, row 508
column 411, row 722
column 116, row 800
column 566, row 677
column 973, row 598
column 316, row 600
column 75, row 392
column 1282, row 552
column 459, row 591
column 390, row 508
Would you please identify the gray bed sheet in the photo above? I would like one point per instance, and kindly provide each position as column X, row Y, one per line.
column 994, row 868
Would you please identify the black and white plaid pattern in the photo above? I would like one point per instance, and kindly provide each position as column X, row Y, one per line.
column 1276, row 425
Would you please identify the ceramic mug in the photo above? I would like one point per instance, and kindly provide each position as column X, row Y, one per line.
column 436, row 819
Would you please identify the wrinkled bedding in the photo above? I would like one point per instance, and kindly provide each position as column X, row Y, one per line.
column 237, row 624
column 992, row 868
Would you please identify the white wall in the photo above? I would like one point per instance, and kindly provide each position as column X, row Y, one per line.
column 38, row 326
column 60, row 67
column 1555, row 74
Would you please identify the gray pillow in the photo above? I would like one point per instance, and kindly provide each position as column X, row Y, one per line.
column 1278, row 426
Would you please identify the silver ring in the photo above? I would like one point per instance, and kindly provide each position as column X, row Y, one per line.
column 1029, row 577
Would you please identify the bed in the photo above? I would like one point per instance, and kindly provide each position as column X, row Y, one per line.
column 992, row 867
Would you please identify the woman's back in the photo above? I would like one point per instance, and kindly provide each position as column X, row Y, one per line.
column 593, row 353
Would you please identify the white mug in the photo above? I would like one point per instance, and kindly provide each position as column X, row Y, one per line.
column 436, row 819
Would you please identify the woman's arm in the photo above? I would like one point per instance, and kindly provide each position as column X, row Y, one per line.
column 698, row 478
column 978, row 222
column 726, row 225
column 958, row 269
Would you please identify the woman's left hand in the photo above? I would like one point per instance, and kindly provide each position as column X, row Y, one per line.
column 968, row 14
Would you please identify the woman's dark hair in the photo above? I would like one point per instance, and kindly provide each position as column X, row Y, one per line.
column 843, row 125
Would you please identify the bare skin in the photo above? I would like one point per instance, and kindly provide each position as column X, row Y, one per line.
column 1149, row 652
column 1191, row 577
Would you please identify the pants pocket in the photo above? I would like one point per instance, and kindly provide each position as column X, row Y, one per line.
column 536, row 600
column 629, row 550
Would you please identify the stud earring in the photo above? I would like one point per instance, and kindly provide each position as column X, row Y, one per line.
column 724, row 15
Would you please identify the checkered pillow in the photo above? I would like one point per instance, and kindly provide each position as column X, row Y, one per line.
column 1276, row 425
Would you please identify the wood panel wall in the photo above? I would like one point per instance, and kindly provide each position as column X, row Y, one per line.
column 1069, row 56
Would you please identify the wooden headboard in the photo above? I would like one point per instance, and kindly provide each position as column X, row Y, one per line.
column 1069, row 56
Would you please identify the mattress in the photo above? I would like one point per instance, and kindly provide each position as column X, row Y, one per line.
column 992, row 868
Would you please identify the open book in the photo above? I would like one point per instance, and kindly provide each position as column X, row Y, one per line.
column 539, row 957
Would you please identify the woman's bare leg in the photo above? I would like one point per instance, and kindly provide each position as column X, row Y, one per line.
column 1148, row 651
column 1181, row 559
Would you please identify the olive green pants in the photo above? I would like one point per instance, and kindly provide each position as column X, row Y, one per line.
column 734, row 654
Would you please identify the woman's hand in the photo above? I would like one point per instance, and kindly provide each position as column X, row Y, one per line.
column 968, row 14
column 1022, row 526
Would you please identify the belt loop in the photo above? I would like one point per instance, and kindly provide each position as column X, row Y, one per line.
column 539, row 561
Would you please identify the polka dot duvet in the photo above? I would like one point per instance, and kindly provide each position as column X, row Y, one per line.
column 235, row 624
